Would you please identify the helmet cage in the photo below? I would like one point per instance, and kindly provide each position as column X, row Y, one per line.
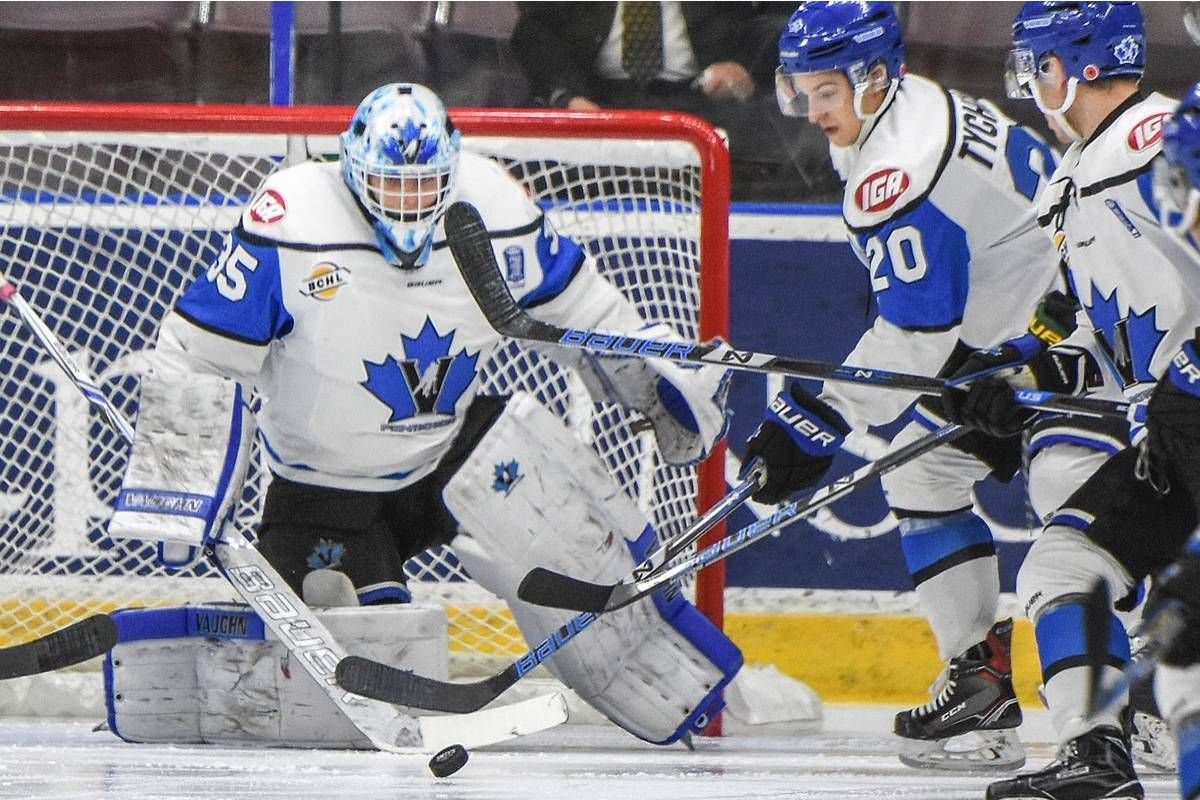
column 794, row 102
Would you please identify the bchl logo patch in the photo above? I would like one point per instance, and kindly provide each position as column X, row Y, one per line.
column 324, row 281
column 268, row 207
column 880, row 190
column 514, row 264
column 1148, row 132
column 508, row 475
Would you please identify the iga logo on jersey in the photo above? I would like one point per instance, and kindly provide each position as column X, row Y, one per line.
column 324, row 281
column 880, row 190
column 268, row 207
column 1148, row 132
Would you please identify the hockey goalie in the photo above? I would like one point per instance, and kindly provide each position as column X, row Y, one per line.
column 337, row 304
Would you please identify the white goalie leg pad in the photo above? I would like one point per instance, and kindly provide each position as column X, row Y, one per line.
column 210, row 674
column 684, row 403
column 190, row 455
column 654, row 668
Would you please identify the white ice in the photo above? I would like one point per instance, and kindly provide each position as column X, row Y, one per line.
column 851, row 758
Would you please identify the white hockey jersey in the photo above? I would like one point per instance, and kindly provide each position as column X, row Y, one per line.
column 1138, row 284
column 939, row 207
column 366, row 368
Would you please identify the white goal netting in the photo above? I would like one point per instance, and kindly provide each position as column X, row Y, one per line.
column 106, row 218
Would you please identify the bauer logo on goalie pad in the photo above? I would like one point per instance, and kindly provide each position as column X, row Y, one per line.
column 1148, row 132
column 268, row 207
column 324, row 281
column 880, row 190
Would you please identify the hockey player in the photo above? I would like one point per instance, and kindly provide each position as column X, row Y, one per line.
column 1173, row 441
column 337, row 300
column 939, row 208
column 1082, row 63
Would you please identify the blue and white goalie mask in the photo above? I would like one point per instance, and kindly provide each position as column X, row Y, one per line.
column 400, row 157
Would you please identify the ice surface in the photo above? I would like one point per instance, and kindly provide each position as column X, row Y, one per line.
column 851, row 759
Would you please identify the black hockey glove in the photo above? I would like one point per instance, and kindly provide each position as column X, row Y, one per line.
column 1172, row 417
column 797, row 441
column 989, row 402
column 1181, row 581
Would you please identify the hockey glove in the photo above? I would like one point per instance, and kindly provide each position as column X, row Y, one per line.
column 797, row 441
column 1181, row 581
column 1172, row 416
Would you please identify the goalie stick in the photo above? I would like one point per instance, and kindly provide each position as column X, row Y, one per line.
column 404, row 687
column 307, row 640
column 1158, row 632
column 87, row 638
column 471, row 246
column 548, row 588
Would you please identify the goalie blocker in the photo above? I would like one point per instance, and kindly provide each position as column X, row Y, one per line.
column 656, row 669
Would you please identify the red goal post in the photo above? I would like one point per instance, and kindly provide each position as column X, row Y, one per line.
column 89, row 195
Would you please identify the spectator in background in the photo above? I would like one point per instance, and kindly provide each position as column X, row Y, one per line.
column 695, row 57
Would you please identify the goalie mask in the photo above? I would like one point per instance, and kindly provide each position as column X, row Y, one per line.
column 1092, row 40
column 1177, row 172
column 851, row 38
column 399, row 157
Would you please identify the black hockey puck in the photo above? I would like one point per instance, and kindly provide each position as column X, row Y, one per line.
column 448, row 761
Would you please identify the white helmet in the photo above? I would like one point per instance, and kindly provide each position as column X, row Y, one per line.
column 399, row 157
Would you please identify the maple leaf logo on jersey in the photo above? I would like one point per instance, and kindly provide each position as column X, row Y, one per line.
column 427, row 380
column 1128, row 341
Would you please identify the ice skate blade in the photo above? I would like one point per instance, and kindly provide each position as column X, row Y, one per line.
column 976, row 751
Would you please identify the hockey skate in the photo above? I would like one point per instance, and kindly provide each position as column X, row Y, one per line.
column 971, row 722
column 1094, row 766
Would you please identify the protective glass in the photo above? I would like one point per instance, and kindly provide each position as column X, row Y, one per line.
column 1178, row 201
column 822, row 95
column 1020, row 71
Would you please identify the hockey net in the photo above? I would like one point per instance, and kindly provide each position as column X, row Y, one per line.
column 107, row 213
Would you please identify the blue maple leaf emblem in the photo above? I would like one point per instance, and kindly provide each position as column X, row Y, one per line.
column 427, row 380
column 326, row 554
column 1130, row 341
column 506, row 476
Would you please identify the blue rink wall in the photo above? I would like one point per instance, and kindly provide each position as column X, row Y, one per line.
column 834, row 585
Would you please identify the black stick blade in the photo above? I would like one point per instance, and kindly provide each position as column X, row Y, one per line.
column 71, row 645
column 406, row 688
column 1095, row 637
column 544, row 587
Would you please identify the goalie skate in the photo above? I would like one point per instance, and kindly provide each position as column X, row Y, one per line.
column 971, row 722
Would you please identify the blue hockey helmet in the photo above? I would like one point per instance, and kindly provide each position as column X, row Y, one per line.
column 850, row 37
column 1177, row 173
column 400, row 157
column 1093, row 41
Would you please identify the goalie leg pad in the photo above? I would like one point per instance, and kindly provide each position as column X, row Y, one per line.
column 656, row 669
column 212, row 674
column 190, row 455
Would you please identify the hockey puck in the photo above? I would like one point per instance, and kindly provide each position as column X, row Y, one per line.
column 448, row 761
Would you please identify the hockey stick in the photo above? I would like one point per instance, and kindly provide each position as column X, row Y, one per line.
column 404, row 687
column 89, row 637
column 1158, row 632
column 307, row 640
column 547, row 588
column 471, row 247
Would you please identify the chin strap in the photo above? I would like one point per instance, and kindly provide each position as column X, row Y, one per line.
column 1060, row 114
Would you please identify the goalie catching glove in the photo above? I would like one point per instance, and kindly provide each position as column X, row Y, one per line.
column 685, row 404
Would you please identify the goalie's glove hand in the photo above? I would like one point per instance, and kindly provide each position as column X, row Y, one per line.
column 1181, row 581
column 797, row 441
